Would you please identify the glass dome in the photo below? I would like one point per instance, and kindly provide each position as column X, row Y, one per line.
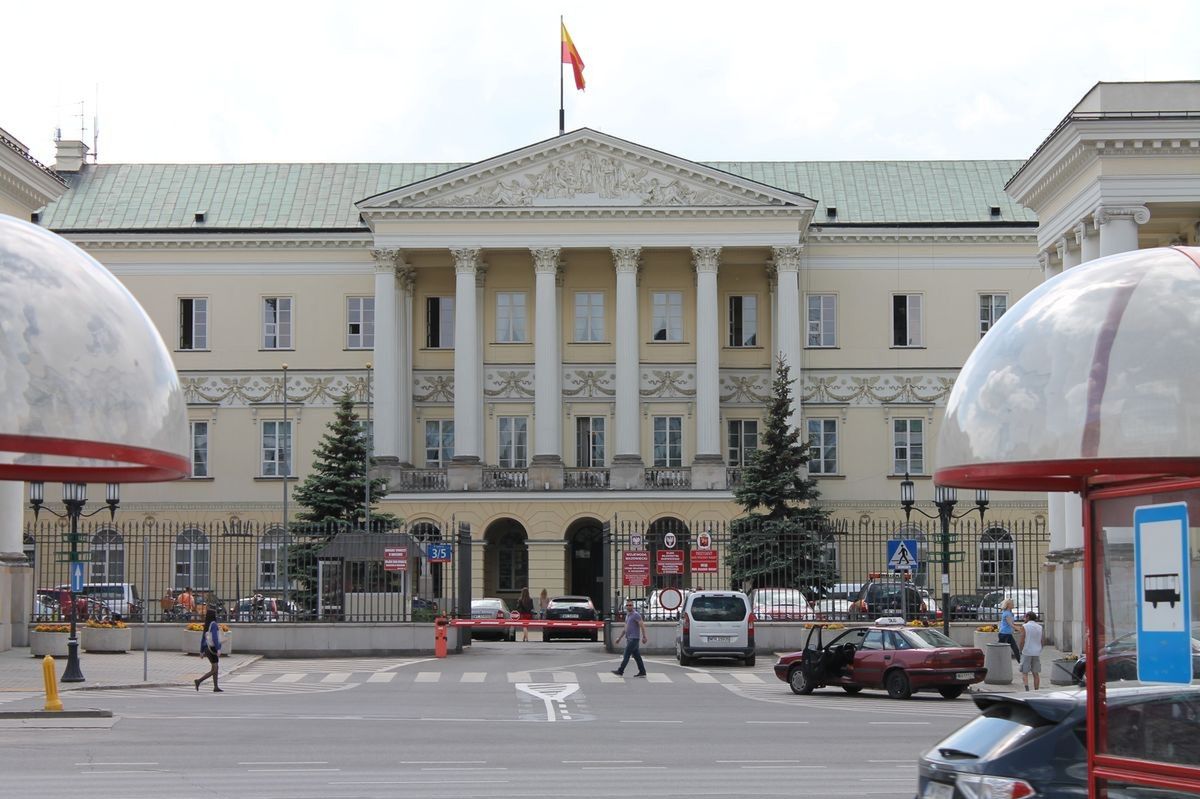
column 1094, row 373
column 88, row 392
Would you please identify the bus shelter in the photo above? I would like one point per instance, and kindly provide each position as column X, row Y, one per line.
column 1091, row 384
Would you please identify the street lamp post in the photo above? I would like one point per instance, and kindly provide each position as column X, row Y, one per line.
column 370, row 441
column 945, row 498
column 74, row 497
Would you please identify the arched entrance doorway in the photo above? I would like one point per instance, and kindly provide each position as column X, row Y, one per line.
column 506, row 559
column 665, row 537
column 585, row 558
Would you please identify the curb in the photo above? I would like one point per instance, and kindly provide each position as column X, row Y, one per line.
column 59, row 714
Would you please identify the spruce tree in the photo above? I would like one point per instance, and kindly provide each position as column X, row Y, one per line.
column 780, row 539
column 331, row 500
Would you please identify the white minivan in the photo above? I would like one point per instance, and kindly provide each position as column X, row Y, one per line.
column 715, row 624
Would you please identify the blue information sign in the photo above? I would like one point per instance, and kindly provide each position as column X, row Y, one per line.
column 440, row 553
column 76, row 577
column 902, row 555
column 1163, row 593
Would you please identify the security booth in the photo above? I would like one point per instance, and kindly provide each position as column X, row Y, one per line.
column 1091, row 384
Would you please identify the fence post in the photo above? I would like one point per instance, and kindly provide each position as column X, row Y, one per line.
column 606, row 561
column 464, row 582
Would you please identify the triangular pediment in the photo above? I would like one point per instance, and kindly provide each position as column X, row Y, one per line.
column 586, row 169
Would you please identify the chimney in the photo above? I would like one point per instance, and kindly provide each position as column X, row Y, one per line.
column 69, row 156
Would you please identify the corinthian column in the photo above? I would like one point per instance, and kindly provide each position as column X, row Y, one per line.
column 547, row 466
column 627, row 468
column 787, row 269
column 708, row 468
column 465, row 470
column 386, row 388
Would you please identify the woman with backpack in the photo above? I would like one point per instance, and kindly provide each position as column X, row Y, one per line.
column 210, row 647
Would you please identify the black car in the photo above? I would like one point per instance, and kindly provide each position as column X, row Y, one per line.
column 1035, row 744
column 570, row 608
column 1119, row 659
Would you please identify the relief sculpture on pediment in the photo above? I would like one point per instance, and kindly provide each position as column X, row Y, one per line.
column 589, row 177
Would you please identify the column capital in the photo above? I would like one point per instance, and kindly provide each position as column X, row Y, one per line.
column 1140, row 214
column 546, row 260
column 1081, row 232
column 787, row 259
column 1044, row 261
column 627, row 259
column 467, row 260
column 1061, row 247
column 387, row 259
column 407, row 277
column 706, row 259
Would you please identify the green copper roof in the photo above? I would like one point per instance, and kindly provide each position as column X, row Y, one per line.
column 149, row 197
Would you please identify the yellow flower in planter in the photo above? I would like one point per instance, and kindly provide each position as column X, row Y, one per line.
column 199, row 628
column 827, row 625
column 917, row 623
column 987, row 628
column 52, row 628
column 106, row 625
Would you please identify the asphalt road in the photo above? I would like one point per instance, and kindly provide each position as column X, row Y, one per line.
column 504, row 720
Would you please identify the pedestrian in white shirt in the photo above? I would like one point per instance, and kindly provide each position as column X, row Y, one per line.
column 1031, row 651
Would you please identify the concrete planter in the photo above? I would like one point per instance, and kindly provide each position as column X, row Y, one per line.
column 191, row 642
column 1062, row 672
column 52, row 644
column 981, row 640
column 105, row 639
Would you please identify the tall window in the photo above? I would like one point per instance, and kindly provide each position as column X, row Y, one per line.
column 272, row 549
column 193, row 323
column 439, row 442
column 107, row 557
column 276, row 449
column 589, row 316
column 510, row 317
column 191, row 560
column 512, row 558
column 589, row 442
column 991, row 308
column 277, row 323
column 906, row 320
column 908, row 446
column 514, row 441
column 439, row 322
column 822, row 320
column 743, row 321
column 822, row 446
column 199, row 449
column 668, row 441
column 667, row 315
column 997, row 559
column 360, row 323
column 743, row 440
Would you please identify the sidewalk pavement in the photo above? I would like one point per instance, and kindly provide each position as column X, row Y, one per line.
column 21, row 672
column 1048, row 656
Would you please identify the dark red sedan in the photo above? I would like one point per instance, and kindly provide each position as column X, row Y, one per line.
column 899, row 659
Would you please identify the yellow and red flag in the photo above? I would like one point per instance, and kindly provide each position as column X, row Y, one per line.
column 571, row 56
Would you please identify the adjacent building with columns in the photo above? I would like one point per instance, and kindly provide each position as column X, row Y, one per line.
column 584, row 329
column 1121, row 171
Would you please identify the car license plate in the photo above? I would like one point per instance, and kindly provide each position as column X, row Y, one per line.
column 719, row 638
column 938, row 790
column 570, row 615
column 964, row 675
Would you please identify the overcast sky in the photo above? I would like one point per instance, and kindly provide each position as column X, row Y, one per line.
column 461, row 81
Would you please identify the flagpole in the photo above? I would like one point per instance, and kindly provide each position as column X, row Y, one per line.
column 562, row 116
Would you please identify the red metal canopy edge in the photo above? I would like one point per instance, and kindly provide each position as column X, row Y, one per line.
column 130, row 464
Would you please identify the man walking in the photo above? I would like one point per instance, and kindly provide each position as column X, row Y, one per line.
column 1031, row 651
column 635, row 633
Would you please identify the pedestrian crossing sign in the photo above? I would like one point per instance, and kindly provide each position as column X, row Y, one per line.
column 902, row 555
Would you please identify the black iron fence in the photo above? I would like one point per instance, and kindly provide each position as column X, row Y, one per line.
column 246, row 572
column 828, row 571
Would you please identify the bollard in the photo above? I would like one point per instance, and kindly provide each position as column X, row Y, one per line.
column 53, row 703
column 439, row 636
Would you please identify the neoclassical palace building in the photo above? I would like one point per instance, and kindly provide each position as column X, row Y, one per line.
column 584, row 328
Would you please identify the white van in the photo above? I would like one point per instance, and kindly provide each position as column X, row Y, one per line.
column 716, row 624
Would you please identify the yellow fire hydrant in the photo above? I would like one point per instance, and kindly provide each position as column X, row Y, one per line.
column 53, row 703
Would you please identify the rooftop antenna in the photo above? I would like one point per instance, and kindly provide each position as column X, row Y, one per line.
column 96, row 126
column 82, row 120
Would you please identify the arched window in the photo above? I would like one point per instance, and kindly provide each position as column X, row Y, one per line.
column 272, row 549
column 512, row 557
column 107, row 557
column 192, row 560
column 424, row 533
column 997, row 559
